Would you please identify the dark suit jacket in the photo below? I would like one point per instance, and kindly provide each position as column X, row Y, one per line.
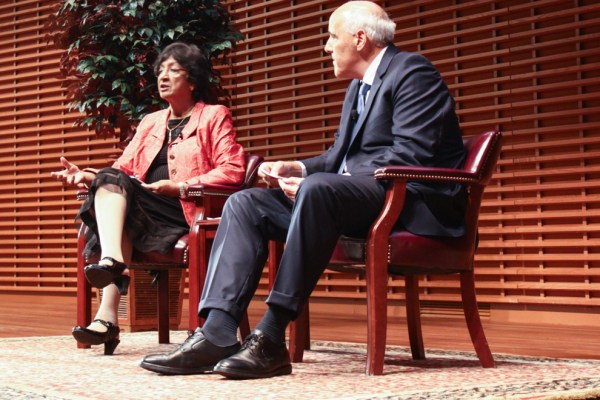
column 409, row 119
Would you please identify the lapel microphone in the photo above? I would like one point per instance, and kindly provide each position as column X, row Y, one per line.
column 354, row 115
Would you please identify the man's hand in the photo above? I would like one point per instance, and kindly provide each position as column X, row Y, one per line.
column 163, row 187
column 272, row 172
column 290, row 187
column 72, row 175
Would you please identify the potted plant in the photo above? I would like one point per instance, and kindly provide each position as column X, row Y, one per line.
column 110, row 46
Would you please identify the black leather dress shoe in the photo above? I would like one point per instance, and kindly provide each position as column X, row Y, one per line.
column 258, row 358
column 195, row 356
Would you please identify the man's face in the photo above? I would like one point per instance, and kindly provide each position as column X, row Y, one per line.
column 342, row 47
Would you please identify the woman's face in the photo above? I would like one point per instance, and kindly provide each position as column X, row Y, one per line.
column 173, row 81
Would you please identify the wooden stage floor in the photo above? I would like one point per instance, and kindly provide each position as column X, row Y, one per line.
column 38, row 315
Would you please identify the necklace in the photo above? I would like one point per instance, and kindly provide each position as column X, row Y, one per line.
column 170, row 130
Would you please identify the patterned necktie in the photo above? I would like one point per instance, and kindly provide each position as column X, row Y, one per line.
column 360, row 107
column 362, row 97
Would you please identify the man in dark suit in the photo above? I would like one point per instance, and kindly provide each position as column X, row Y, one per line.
column 397, row 111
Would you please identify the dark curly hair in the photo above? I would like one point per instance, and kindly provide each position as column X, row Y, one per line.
column 198, row 67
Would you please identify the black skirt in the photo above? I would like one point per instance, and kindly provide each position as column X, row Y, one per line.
column 153, row 222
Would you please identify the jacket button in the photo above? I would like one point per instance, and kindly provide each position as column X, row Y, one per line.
column 172, row 157
column 173, row 172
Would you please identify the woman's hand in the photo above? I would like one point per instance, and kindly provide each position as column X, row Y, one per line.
column 163, row 187
column 290, row 186
column 72, row 175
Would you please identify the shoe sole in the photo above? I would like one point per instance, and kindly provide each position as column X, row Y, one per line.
column 237, row 374
column 86, row 338
column 161, row 369
column 98, row 278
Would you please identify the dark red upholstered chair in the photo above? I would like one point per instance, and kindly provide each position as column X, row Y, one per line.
column 191, row 251
column 390, row 251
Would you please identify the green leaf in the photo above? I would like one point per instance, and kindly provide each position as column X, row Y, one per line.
column 109, row 47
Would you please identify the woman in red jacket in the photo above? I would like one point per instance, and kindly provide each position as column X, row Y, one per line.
column 140, row 200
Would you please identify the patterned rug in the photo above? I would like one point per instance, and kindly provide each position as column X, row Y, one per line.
column 53, row 368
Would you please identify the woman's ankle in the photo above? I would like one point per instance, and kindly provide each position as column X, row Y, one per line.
column 110, row 260
column 100, row 327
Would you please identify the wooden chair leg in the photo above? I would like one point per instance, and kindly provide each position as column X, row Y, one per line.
column 84, row 303
column 84, row 289
column 193, row 298
column 163, row 307
column 413, row 317
column 307, row 327
column 376, row 314
column 244, row 327
column 299, row 339
column 198, row 265
column 467, row 290
column 275, row 252
column 299, row 334
column 198, row 269
column 203, row 247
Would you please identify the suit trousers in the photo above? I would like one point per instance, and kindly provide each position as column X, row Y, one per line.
column 327, row 205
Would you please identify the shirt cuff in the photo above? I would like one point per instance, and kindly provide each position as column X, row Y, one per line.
column 303, row 168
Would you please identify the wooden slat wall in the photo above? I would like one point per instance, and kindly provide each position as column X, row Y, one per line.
column 528, row 68
column 37, row 229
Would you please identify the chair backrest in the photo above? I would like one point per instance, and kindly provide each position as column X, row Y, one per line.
column 253, row 161
column 482, row 153
column 414, row 254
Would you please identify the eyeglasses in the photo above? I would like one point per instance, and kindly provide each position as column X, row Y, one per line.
column 172, row 71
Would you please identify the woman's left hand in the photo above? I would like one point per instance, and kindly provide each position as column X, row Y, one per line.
column 290, row 186
column 163, row 187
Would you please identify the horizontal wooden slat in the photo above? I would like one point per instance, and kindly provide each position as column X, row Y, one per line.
column 38, row 289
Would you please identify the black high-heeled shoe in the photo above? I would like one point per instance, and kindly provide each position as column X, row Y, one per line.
column 110, row 338
column 100, row 275
column 122, row 283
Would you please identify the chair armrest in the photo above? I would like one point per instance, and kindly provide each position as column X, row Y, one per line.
column 429, row 174
column 82, row 194
column 195, row 192
column 398, row 176
column 207, row 189
column 210, row 199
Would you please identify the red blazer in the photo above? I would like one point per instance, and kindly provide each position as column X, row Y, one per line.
column 206, row 151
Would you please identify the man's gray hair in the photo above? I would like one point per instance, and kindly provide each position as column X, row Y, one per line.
column 379, row 28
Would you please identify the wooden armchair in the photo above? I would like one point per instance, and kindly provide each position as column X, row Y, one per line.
column 191, row 251
column 390, row 251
